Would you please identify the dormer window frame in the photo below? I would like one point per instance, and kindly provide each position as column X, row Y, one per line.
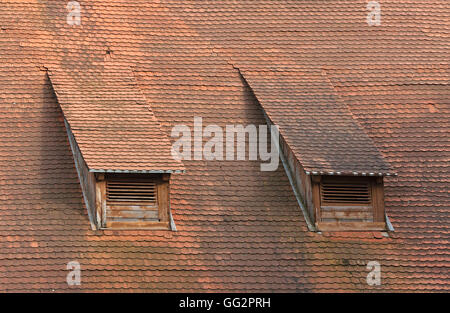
column 133, row 214
column 358, row 209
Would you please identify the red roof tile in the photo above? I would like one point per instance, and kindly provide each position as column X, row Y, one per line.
column 318, row 127
column 110, row 119
column 239, row 229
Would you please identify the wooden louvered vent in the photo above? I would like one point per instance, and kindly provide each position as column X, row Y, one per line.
column 348, row 203
column 131, row 193
column 351, row 193
column 134, row 201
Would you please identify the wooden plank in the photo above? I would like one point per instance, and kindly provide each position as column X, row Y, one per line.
column 138, row 189
column 345, row 208
column 133, row 204
column 101, row 201
column 346, row 200
column 138, row 224
column 316, row 198
column 354, row 215
column 137, row 199
column 132, row 182
column 344, row 184
column 132, row 207
column 163, row 201
column 130, row 196
column 118, row 214
column 98, row 203
column 102, row 185
column 346, row 191
column 379, row 209
column 351, row 226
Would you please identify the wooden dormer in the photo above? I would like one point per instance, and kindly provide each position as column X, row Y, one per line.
column 123, row 157
column 344, row 203
column 133, row 201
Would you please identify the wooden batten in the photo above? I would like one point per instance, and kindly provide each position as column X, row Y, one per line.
column 137, row 225
column 163, row 201
column 359, row 215
column 379, row 213
column 315, row 180
column 351, row 226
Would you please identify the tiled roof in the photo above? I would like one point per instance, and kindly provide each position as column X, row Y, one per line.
column 110, row 119
column 409, row 121
column 239, row 229
column 318, row 127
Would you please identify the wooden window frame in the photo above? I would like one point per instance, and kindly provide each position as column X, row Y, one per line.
column 376, row 206
column 124, row 220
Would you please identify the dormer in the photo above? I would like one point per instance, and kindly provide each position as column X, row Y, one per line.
column 133, row 200
column 335, row 169
column 123, row 158
column 348, row 202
